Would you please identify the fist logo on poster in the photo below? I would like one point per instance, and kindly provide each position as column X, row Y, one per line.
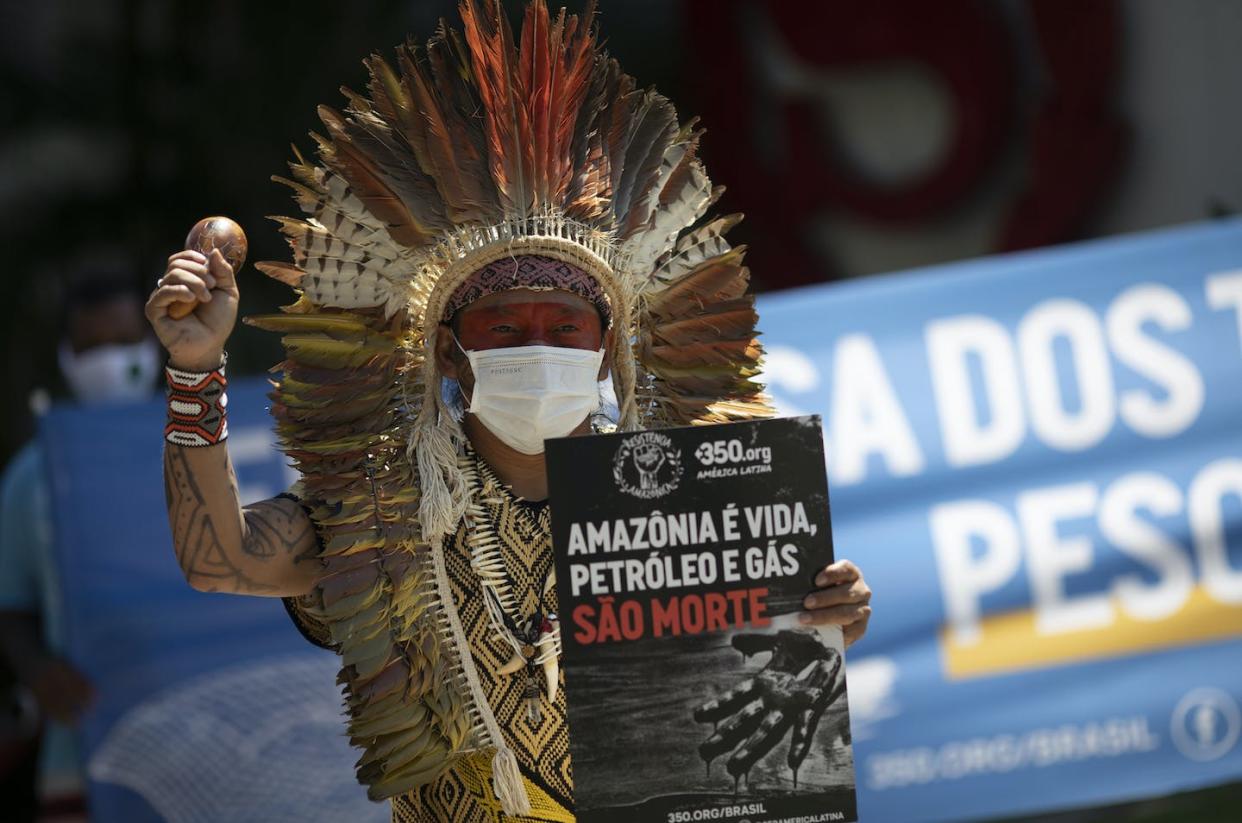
column 647, row 465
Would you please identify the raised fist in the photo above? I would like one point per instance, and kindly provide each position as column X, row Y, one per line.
column 196, row 341
column 648, row 458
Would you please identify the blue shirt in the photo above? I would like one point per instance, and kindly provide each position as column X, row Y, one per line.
column 29, row 582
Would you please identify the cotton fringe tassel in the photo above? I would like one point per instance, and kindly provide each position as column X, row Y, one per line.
column 509, row 787
column 443, row 491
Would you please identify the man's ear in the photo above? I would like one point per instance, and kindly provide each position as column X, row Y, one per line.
column 446, row 347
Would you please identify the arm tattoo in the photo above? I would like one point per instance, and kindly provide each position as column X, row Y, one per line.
column 274, row 526
column 222, row 548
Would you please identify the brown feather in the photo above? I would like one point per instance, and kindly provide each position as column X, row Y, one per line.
column 369, row 184
column 730, row 320
column 401, row 168
column 709, row 354
column 590, row 180
column 285, row 273
column 653, row 130
column 720, row 278
column 476, row 195
column 702, row 243
column 459, row 172
column 505, row 119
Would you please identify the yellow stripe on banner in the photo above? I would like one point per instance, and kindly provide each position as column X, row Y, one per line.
column 1010, row 642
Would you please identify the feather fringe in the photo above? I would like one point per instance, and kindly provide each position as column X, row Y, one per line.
column 477, row 145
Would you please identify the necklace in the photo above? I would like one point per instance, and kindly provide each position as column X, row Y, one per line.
column 534, row 639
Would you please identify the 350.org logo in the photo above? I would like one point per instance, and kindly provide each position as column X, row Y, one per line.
column 724, row 452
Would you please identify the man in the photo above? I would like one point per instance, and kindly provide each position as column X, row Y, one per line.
column 518, row 221
column 106, row 356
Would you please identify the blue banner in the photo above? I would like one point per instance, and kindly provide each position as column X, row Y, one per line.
column 211, row 706
column 1037, row 461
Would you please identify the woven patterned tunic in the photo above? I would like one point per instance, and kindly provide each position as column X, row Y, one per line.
column 464, row 792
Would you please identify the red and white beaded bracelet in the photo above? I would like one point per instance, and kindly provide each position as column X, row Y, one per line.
column 196, row 407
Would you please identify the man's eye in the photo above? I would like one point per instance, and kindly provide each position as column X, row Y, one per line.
column 566, row 328
column 504, row 328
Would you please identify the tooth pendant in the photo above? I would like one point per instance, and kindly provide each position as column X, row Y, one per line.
column 551, row 674
column 515, row 663
column 529, row 658
column 548, row 646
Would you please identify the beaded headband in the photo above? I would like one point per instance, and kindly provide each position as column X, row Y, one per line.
column 528, row 271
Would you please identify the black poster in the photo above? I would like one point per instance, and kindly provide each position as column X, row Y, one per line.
column 682, row 559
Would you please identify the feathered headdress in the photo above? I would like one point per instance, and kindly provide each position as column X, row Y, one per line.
column 472, row 149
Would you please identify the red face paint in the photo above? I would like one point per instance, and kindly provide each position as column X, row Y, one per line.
column 522, row 317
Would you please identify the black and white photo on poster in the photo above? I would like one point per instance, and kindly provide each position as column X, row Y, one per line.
column 694, row 691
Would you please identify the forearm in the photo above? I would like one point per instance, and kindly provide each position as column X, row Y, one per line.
column 268, row 548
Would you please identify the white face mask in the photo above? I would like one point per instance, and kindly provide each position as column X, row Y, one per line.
column 114, row 373
column 527, row 394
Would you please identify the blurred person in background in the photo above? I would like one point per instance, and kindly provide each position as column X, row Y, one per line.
column 106, row 356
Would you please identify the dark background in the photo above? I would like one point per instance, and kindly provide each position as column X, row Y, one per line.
column 857, row 137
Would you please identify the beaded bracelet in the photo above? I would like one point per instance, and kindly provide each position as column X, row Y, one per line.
column 196, row 406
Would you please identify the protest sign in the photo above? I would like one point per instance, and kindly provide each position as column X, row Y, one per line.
column 694, row 691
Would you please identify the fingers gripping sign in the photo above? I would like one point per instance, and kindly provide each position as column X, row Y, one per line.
column 799, row 682
column 843, row 599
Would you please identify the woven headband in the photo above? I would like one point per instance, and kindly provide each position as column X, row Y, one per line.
column 528, row 271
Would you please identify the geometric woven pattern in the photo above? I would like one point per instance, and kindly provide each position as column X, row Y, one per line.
column 463, row 795
column 542, row 748
column 196, row 407
column 529, row 271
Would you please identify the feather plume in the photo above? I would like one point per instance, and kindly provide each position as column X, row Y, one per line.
column 474, row 195
column 506, row 119
column 369, row 184
column 470, row 134
column 590, row 182
column 716, row 279
column 650, row 136
column 374, row 138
